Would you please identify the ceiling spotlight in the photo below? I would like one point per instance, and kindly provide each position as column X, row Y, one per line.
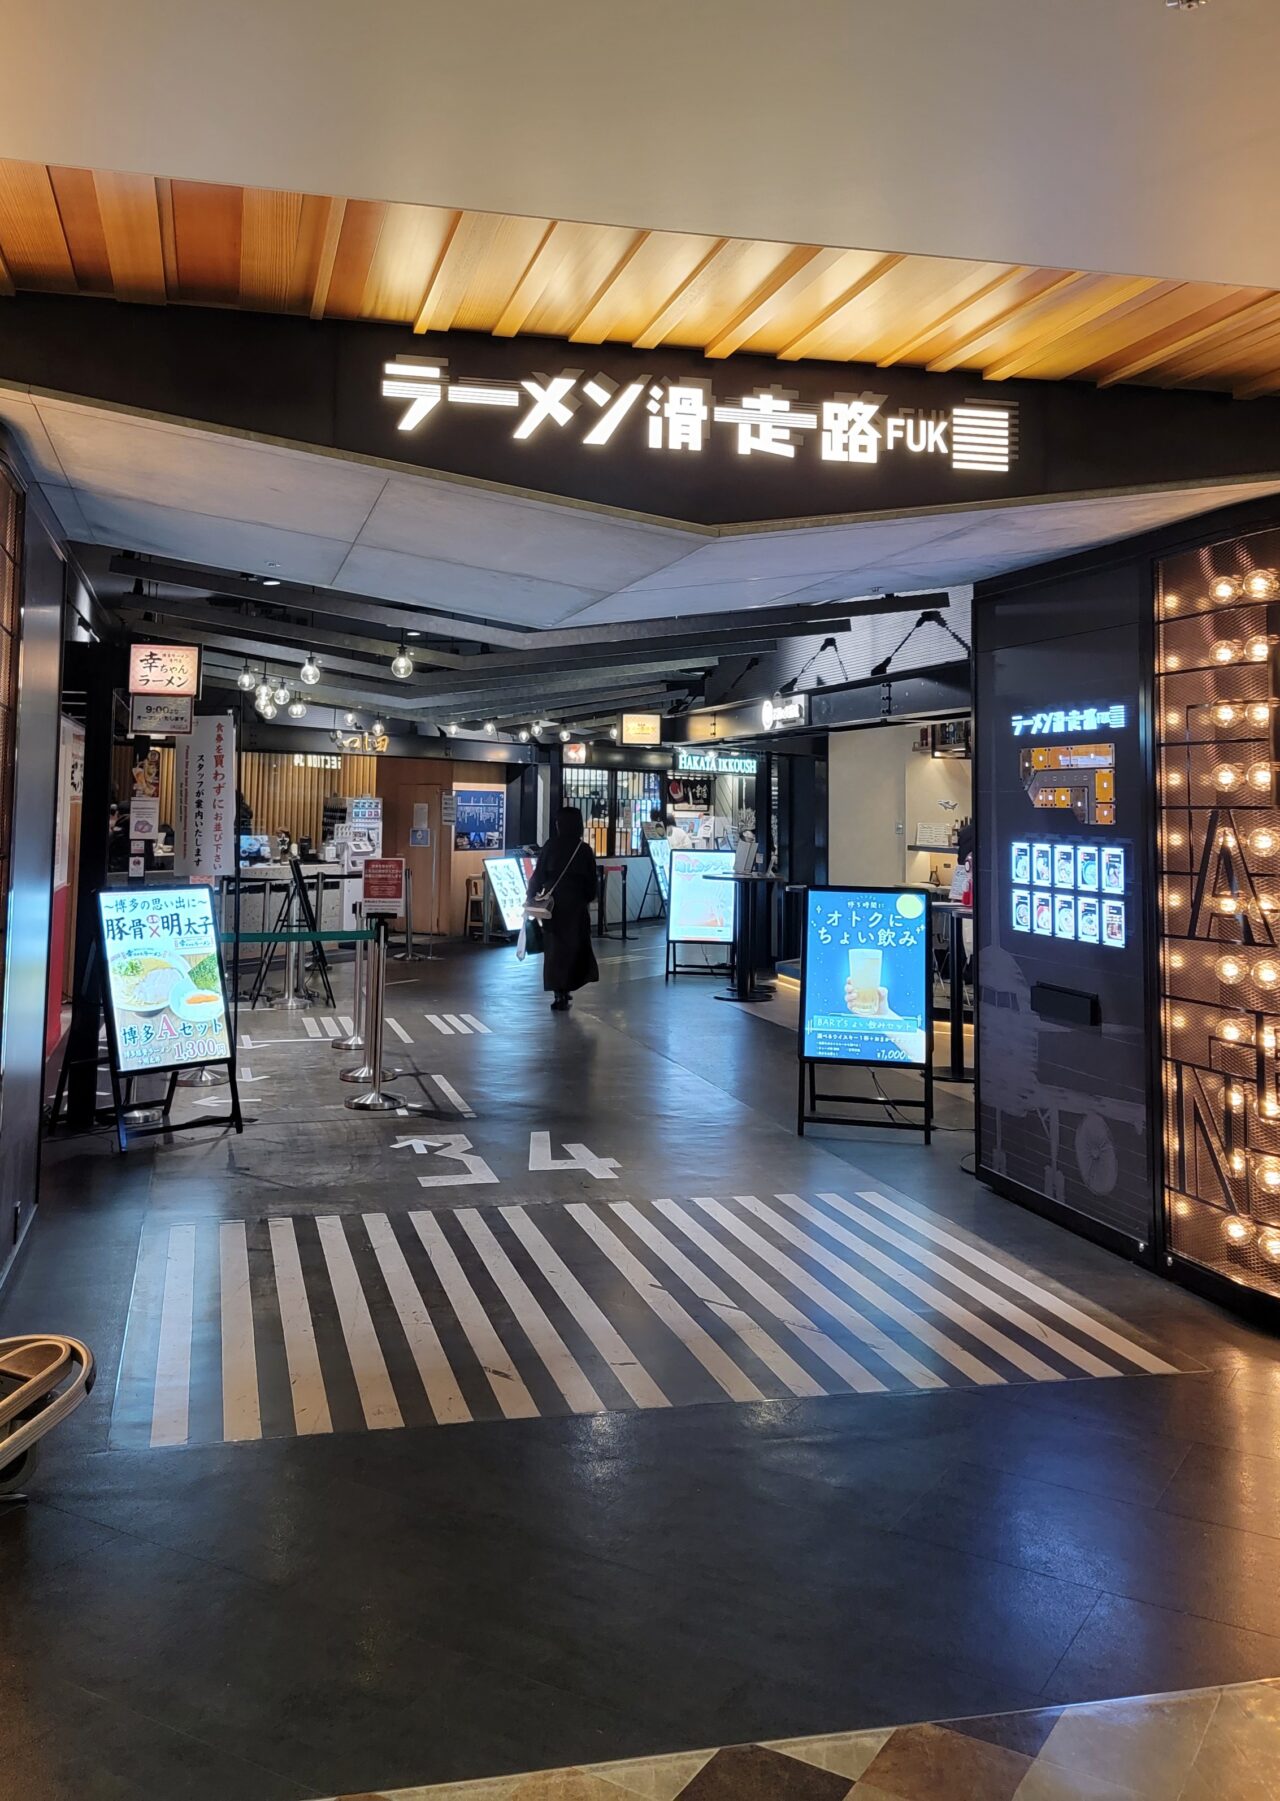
column 246, row 680
column 490, row 727
column 271, row 581
column 280, row 693
column 267, row 708
column 452, row 729
column 297, row 707
column 378, row 729
column 310, row 671
column 413, row 634
column 402, row 663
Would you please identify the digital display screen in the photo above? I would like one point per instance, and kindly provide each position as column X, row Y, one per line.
column 1075, row 873
column 481, row 819
column 660, row 857
column 255, row 847
column 865, row 987
column 166, row 1000
column 510, row 885
column 701, row 911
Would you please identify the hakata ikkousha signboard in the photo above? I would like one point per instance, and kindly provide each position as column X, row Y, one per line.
column 166, row 1004
column 164, row 669
column 864, row 995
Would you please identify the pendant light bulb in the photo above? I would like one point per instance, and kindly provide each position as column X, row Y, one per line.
column 262, row 691
column 565, row 735
column 246, row 681
column 297, row 707
column 280, row 694
column 453, row 729
column 402, row 663
column 490, row 727
column 378, row 728
column 267, row 708
column 310, row 672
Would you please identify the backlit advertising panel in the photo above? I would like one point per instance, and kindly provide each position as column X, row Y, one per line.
column 864, row 994
column 510, row 885
column 701, row 911
column 166, row 999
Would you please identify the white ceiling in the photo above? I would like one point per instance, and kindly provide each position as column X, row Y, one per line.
column 1090, row 134
column 203, row 496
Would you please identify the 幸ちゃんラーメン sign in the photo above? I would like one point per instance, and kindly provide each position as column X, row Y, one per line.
column 166, row 1002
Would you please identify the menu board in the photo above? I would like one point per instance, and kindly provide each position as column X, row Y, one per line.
column 166, row 997
column 510, row 885
column 1069, row 890
column 864, row 989
column 699, row 911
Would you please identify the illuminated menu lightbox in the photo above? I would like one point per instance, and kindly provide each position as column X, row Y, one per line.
column 1072, row 891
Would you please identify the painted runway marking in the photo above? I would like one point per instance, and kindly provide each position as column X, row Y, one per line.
column 303, row 1325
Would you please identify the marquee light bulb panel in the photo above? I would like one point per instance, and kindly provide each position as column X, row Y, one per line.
column 1218, row 738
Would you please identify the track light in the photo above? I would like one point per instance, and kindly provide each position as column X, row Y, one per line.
column 246, row 681
column 310, row 671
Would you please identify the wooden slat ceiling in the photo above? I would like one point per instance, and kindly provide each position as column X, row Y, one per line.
column 153, row 240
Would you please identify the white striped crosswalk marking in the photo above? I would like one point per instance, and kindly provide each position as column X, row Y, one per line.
column 880, row 1298
column 313, row 1030
column 454, row 1099
column 171, row 1407
column 1083, row 1359
column 330, row 1028
column 241, row 1413
column 399, row 1030
column 347, row 1023
column 560, row 1361
column 619, row 1356
column 504, row 1378
column 306, row 1379
column 458, row 1024
column 368, row 1366
column 752, row 1334
column 960, row 1315
column 438, row 1379
column 1075, row 1316
column 477, row 1025
column 860, row 1379
column 439, row 1024
column 717, row 1363
column 520, row 1310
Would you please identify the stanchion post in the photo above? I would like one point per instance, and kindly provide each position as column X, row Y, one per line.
column 376, row 1100
column 355, row 1039
column 407, row 955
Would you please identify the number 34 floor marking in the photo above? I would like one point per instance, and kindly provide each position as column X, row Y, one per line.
column 455, row 1147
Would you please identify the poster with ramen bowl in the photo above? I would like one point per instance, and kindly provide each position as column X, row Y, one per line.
column 166, row 998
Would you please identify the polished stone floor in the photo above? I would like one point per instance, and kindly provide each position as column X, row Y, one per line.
column 254, row 1566
column 1211, row 1744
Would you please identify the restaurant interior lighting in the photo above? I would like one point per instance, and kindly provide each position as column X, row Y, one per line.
column 297, row 707
column 280, row 693
column 490, row 727
column 267, row 708
column 402, row 663
column 246, row 681
column 565, row 735
column 1223, row 588
column 378, row 728
column 310, row 671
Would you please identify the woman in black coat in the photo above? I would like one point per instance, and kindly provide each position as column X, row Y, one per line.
column 567, row 870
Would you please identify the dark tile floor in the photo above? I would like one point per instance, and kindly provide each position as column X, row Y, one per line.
column 367, row 1610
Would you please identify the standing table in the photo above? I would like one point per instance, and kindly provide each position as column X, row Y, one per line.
column 956, row 917
column 750, row 888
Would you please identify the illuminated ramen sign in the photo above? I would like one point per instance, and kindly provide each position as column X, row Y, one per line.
column 681, row 416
